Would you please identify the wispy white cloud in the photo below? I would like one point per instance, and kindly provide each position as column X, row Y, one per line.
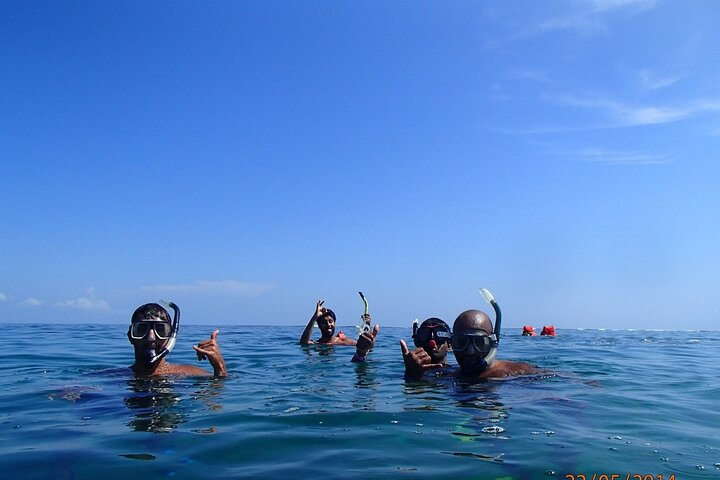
column 31, row 302
column 609, row 157
column 588, row 17
column 633, row 115
column 3, row 297
column 581, row 17
column 531, row 74
column 88, row 302
column 203, row 287
column 610, row 5
column 653, row 81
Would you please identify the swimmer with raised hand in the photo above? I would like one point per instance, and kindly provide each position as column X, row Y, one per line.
column 432, row 341
column 326, row 321
column 153, row 336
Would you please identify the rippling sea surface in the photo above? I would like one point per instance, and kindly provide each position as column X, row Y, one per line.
column 614, row 402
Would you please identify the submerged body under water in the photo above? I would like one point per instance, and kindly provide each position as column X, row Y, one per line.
column 614, row 403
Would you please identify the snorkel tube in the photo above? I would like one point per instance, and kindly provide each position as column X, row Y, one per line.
column 156, row 357
column 364, row 326
column 495, row 337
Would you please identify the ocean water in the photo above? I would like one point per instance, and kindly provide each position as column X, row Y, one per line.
column 621, row 403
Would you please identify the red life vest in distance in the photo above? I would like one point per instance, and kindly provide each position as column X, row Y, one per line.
column 548, row 330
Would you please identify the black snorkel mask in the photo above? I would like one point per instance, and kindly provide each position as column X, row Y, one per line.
column 154, row 357
column 432, row 333
column 486, row 345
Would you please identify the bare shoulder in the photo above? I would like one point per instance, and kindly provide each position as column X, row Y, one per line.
column 344, row 341
column 506, row 368
column 189, row 370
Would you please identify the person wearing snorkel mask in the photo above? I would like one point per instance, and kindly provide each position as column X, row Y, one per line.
column 432, row 340
column 326, row 319
column 153, row 336
column 474, row 344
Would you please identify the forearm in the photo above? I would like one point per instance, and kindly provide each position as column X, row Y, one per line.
column 413, row 374
column 219, row 368
column 305, row 337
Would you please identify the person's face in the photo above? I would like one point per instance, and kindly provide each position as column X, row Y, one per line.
column 149, row 334
column 471, row 347
column 435, row 341
column 327, row 325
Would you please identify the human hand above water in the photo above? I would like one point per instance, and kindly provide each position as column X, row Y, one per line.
column 417, row 361
column 366, row 341
column 319, row 309
column 210, row 349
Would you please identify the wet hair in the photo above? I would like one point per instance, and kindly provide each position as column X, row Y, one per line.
column 326, row 312
column 150, row 311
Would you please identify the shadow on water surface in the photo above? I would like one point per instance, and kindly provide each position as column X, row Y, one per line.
column 155, row 405
column 158, row 407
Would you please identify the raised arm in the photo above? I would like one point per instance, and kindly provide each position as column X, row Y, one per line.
column 305, row 337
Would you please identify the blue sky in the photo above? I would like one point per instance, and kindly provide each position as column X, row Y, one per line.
column 247, row 158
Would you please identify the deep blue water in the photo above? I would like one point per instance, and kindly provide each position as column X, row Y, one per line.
column 617, row 402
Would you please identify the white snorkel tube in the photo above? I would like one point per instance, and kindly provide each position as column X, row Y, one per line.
column 156, row 357
column 364, row 326
column 495, row 337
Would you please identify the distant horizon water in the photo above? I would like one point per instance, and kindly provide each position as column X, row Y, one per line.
column 506, row 330
column 607, row 404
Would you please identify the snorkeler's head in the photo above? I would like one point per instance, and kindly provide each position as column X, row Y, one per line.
column 528, row 331
column 150, row 312
column 473, row 342
column 150, row 330
column 326, row 322
column 433, row 335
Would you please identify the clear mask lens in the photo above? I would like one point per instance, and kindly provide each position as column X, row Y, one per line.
column 140, row 329
column 424, row 334
column 482, row 343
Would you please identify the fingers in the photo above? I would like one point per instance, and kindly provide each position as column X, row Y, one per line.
column 319, row 308
column 211, row 341
column 430, row 366
column 201, row 354
column 403, row 347
column 207, row 348
column 202, row 350
column 420, row 356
